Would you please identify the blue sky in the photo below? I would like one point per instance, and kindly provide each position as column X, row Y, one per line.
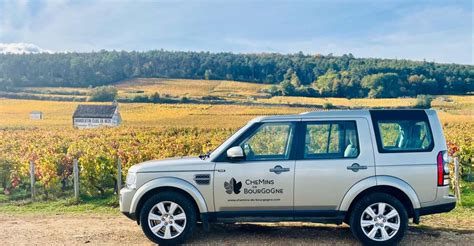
column 440, row 31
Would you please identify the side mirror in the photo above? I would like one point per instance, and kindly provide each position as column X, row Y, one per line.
column 235, row 153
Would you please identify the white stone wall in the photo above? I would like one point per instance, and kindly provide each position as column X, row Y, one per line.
column 93, row 122
column 36, row 116
column 82, row 123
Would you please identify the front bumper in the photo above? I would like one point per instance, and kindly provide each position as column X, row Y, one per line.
column 126, row 196
column 131, row 216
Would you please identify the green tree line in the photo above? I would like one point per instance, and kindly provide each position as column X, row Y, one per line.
column 340, row 76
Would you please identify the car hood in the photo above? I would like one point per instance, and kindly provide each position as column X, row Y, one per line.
column 178, row 164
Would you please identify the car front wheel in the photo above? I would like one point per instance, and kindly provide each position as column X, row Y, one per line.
column 379, row 219
column 168, row 218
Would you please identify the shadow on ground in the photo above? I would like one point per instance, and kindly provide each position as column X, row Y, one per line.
column 306, row 233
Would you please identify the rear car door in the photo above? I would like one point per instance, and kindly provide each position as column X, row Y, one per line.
column 261, row 185
column 334, row 155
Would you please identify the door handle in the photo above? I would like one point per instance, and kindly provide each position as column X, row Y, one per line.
column 356, row 167
column 279, row 169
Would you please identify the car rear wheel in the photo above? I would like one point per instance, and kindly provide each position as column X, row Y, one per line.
column 168, row 218
column 379, row 219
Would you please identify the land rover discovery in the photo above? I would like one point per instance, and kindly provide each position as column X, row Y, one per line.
column 372, row 169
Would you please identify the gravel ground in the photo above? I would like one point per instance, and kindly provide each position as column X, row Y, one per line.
column 109, row 229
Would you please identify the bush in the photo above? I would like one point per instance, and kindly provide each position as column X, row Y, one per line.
column 5, row 179
column 423, row 101
column 155, row 97
column 103, row 94
column 211, row 98
column 274, row 90
column 140, row 99
column 185, row 100
column 328, row 105
column 307, row 92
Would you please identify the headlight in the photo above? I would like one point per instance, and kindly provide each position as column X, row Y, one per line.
column 131, row 181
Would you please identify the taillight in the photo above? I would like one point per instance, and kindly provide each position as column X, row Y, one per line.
column 443, row 169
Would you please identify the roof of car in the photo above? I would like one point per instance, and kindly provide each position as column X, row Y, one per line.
column 325, row 114
column 315, row 114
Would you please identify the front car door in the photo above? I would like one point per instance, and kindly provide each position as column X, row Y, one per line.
column 260, row 185
column 335, row 155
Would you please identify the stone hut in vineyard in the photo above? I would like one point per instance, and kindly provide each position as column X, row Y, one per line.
column 93, row 116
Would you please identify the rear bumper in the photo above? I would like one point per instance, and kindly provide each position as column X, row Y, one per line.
column 443, row 203
column 442, row 208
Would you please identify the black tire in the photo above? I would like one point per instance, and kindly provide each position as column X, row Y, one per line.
column 183, row 202
column 365, row 202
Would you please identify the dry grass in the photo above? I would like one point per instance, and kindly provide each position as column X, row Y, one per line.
column 14, row 113
column 58, row 89
column 465, row 103
column 230, row 90
column 172, row 87
column 233, row 89
column 191, row 88
column 359, row 102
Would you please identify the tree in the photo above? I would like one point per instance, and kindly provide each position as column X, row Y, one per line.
column 288, row 74
column 295, row 81
column 290, row 83
column 155, row 97
column 108, row 67
column 208, row 74
column 423, row 101
column 325, row 83
column 103, row 94
column 382, row 85
column 287, row 88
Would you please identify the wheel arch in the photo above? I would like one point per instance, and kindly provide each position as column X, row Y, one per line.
column 385, row 184
column 168, row 184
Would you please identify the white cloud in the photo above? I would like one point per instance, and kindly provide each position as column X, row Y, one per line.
column 21, row 48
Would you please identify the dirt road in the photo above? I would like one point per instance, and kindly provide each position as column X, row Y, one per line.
column 107, row 229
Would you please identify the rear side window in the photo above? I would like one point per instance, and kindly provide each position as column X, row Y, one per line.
column 409, row 133
column 326, row 140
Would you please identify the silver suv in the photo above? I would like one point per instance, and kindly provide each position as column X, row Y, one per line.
column 372, row 169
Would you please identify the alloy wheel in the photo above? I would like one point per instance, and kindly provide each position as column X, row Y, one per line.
column 380, row 221
column 167, row 220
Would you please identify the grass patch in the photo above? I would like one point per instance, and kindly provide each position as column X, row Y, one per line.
column 467, row 194
column 108, row 204
column 3, row 198
column 461, row 218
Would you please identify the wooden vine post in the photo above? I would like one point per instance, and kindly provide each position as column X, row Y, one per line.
column 457, row 189
column 75, row 170
column 119, row 176
column 32, row 180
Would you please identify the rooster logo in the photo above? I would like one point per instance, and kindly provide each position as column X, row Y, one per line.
column 232, row 186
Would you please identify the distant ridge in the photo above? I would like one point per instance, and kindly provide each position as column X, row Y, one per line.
column 342, row 75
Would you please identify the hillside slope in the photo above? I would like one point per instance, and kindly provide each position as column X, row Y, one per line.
column 345, row 72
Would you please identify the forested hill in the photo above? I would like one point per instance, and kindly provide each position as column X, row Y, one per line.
column 331, row 75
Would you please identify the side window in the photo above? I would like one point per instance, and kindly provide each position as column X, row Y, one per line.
column 271, row 141
column 331, row 140
column 404, row 135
